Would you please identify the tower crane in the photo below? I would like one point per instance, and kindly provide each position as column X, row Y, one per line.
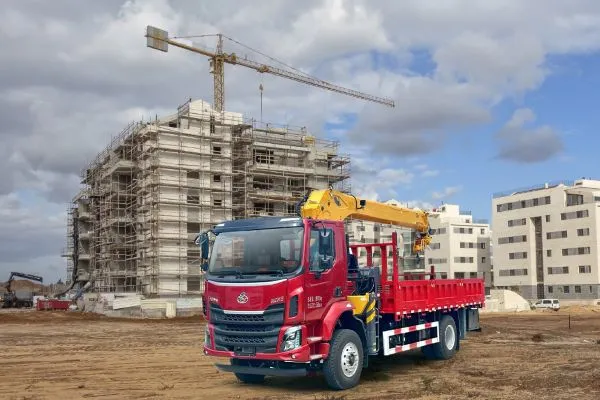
column 159, row 39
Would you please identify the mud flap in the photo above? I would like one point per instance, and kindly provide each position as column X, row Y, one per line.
column 473, row 319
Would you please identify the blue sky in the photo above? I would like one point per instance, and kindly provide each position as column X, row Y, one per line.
column 566, row 101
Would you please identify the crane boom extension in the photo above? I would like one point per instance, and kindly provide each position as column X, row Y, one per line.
column 335, row 205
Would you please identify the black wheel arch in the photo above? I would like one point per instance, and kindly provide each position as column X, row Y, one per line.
column 348, row 321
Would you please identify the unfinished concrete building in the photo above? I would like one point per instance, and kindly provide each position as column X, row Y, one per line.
column 147, row 195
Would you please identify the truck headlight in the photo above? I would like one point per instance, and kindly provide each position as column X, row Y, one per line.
column 206, row 337
column 291, row 339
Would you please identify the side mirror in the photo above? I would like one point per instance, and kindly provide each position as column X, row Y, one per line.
column 203, row 242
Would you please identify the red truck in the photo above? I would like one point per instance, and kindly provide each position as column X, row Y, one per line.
column 285, row 296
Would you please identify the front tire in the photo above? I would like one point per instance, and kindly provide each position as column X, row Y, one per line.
column 344, row 365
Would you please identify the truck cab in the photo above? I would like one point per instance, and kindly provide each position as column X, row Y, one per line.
column 269, row 282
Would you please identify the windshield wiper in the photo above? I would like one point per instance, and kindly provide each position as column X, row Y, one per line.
column 229, row 272
column 279, row 272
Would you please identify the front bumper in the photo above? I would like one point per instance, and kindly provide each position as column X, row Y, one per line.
column 299, row 355
column 252, row 370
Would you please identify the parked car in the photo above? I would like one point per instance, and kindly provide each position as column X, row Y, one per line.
column 553, row 304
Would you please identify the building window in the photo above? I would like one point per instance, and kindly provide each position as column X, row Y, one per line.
column 216, row 150
column 513, row 272
column 512, row 239
column 482, row 231
column 550, row 289
column 264, row 156
column 435, row 246
column 547, row 218
column 583, row 232
column 574, row 199
column 517, row 255
column 556, row 235
column 482, row 245
column 558, row 270
column 438, row 261
column 483, row 260
column 517, row 222
column 585, row 269
column 548, row 253
column 472, row 275
column 218, row 202
column 573, row 251
column 291, row 209
column 591, row 288
column 459, row 275
column 575, row 214
column 577, row 289
column 463, row 230
column 516, row 205
column 566, row 289
column 216, row 178
column 193, row 198
column 193, row 175
column 463, row 260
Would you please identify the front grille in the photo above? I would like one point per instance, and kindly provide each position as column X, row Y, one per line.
column 247, row 333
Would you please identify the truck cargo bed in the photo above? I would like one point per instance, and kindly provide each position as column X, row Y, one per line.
column 408, row 293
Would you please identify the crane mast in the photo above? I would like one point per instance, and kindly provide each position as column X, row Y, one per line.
column 159, row 39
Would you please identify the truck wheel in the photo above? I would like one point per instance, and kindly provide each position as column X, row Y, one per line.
column 344, row 365
column 249, row 378
column 446, row 347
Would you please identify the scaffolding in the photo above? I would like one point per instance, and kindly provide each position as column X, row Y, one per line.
column 273, row 167
column 158, row 184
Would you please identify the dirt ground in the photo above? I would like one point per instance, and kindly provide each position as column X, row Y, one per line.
column 75, row 356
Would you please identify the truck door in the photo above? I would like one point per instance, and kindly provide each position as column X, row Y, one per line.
column 326, row 277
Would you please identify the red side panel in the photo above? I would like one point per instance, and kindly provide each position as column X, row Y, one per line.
column 435, row 294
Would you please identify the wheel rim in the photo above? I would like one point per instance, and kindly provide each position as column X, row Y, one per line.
column 350, row 359
column 449, row 337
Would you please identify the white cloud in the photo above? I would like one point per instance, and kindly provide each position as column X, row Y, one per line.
column 429, row 173
column 446, row 193
column 524, row 144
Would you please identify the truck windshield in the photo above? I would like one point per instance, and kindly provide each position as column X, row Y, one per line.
column 263, row 251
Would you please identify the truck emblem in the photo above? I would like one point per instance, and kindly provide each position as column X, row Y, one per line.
column 242, row 298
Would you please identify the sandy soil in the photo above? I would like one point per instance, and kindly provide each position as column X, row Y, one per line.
column 73, row 356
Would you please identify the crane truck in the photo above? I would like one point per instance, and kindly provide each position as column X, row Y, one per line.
column 285, row 296
column 19, row 298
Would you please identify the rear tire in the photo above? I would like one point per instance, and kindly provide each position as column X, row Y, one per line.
column 344, row 365
column 448, row 344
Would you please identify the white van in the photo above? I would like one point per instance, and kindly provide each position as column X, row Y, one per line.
column 547, row 303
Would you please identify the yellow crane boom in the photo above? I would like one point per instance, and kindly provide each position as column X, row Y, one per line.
column 158, row 39
column 335, row 205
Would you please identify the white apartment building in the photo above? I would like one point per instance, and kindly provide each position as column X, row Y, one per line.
column 460, row 247
column 546, row 240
